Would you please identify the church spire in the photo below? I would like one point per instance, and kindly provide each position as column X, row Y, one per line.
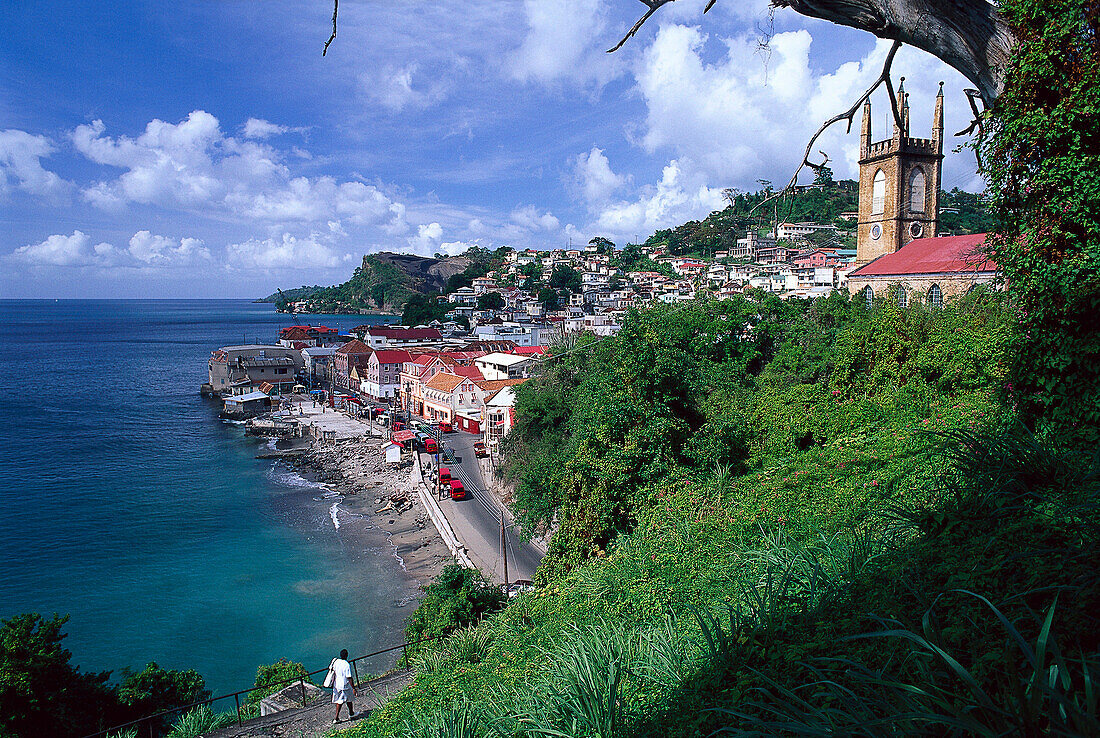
column 865, row 131
column 937, row 122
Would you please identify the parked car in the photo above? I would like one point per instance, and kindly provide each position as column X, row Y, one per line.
column 430, row 446
column 480, row 450
column 458, row 492
column 444, row 475
column 445, row 427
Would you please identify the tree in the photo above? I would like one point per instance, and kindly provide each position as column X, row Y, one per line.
column 41, row 692
column 565, row 277
column 548, row 297
column 603, row 245
column 421, row 309
column 154, row 689
column 490, row 301
column 270, row 678
column 823, row 176
column 532, row 274
column 458, row 597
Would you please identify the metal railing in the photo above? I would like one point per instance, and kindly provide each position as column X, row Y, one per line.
column 153, row 719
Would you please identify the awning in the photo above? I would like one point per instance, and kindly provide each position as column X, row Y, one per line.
column 402, row 436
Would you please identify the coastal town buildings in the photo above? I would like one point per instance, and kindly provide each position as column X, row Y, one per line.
column 242, row 369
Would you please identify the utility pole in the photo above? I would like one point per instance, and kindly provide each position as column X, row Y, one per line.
column 504, row 550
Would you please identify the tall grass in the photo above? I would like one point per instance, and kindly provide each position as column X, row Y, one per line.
column 1045, row 693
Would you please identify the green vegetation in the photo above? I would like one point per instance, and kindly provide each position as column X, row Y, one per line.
column 1043, row 166
column 785, row 519
column 42, row 693
column 273, row 677
column 458, row 598
column 423, row 309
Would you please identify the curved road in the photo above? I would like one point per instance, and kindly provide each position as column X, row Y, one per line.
column 476, row 520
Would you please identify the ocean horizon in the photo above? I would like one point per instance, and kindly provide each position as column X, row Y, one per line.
column 128, row 505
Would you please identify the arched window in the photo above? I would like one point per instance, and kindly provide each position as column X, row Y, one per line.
column 935, row 296
column 869, row 295
column 878, row 193
column 916, row 190
column 903, row 299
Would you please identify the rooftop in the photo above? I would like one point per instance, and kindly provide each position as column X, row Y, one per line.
column 937, row 255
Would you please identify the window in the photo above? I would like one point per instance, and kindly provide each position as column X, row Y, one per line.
column 903, row 299
column 878, row 193
column 916, row 190
column 869, row 294
column 935, row 296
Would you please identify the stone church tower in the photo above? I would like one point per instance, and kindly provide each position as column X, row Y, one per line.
column 899, row 183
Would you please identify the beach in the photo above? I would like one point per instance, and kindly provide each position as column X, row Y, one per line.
column 371, row 501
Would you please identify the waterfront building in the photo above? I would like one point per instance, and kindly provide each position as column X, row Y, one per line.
column 299, row 336
column 351, row 355
column 317, row 362
column 241, row 369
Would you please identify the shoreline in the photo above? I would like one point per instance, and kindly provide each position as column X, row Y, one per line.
column 372, row 503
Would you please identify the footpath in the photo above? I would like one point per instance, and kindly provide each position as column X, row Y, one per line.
column 315, row 719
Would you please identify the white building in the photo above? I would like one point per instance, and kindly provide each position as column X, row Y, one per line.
column 503, row 366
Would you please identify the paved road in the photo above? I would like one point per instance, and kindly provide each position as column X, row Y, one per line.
column 476, row 520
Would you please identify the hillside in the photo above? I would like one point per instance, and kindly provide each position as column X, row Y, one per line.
column 780, row 518
column 384, row 282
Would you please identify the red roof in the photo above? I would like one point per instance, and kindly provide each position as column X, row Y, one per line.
column 945, row 254
column 354, row 347
column 406, row 334
column 467, row 371
column 392, row 356
column 529, row 350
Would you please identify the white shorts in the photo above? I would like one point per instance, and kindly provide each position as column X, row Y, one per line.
column 340, row 696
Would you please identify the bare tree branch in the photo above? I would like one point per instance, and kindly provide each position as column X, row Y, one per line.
column 653, row 6
column 849, row 115
column 972, row 96
column 335, row 11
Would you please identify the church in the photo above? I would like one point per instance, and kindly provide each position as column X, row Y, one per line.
column 898, row 254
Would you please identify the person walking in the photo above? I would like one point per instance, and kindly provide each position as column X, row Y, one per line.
column 343, row 685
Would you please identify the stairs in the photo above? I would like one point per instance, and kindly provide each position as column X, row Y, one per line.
column 315, row 719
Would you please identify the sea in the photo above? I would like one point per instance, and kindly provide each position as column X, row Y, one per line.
column 128, row 505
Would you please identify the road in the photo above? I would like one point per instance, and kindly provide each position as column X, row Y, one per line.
column 476, row 520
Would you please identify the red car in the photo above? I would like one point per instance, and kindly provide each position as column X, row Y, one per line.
column 479, row 449
column 430, row 446
column 444, row 475
column 445, row 427
column 458, row 492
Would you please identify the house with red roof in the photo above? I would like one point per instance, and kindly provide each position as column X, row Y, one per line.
column 349, row 356
column 308, row 335
column 928, row 270
column 383, row 373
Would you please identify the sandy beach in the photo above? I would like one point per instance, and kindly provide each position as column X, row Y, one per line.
column 371, row 497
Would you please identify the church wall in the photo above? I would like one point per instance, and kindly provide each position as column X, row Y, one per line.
column 952, row 285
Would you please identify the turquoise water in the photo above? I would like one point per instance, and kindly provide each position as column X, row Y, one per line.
column 127, row 504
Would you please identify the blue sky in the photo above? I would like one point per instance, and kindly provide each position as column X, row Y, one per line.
column 206, row 149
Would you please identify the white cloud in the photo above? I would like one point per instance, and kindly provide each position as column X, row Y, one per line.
column 21, row 168
column 287, row 252
column 58, row 250
column 393, row 88
column 562, row 44
column 162, row 251
column 260, row 128
column 530, row 218
column 146, row 250
column 593, row 179
column 740, row 118
column 681, row 195
column 426, row 240
column 194, row 166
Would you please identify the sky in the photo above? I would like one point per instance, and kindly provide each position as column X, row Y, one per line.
column 206, row 149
